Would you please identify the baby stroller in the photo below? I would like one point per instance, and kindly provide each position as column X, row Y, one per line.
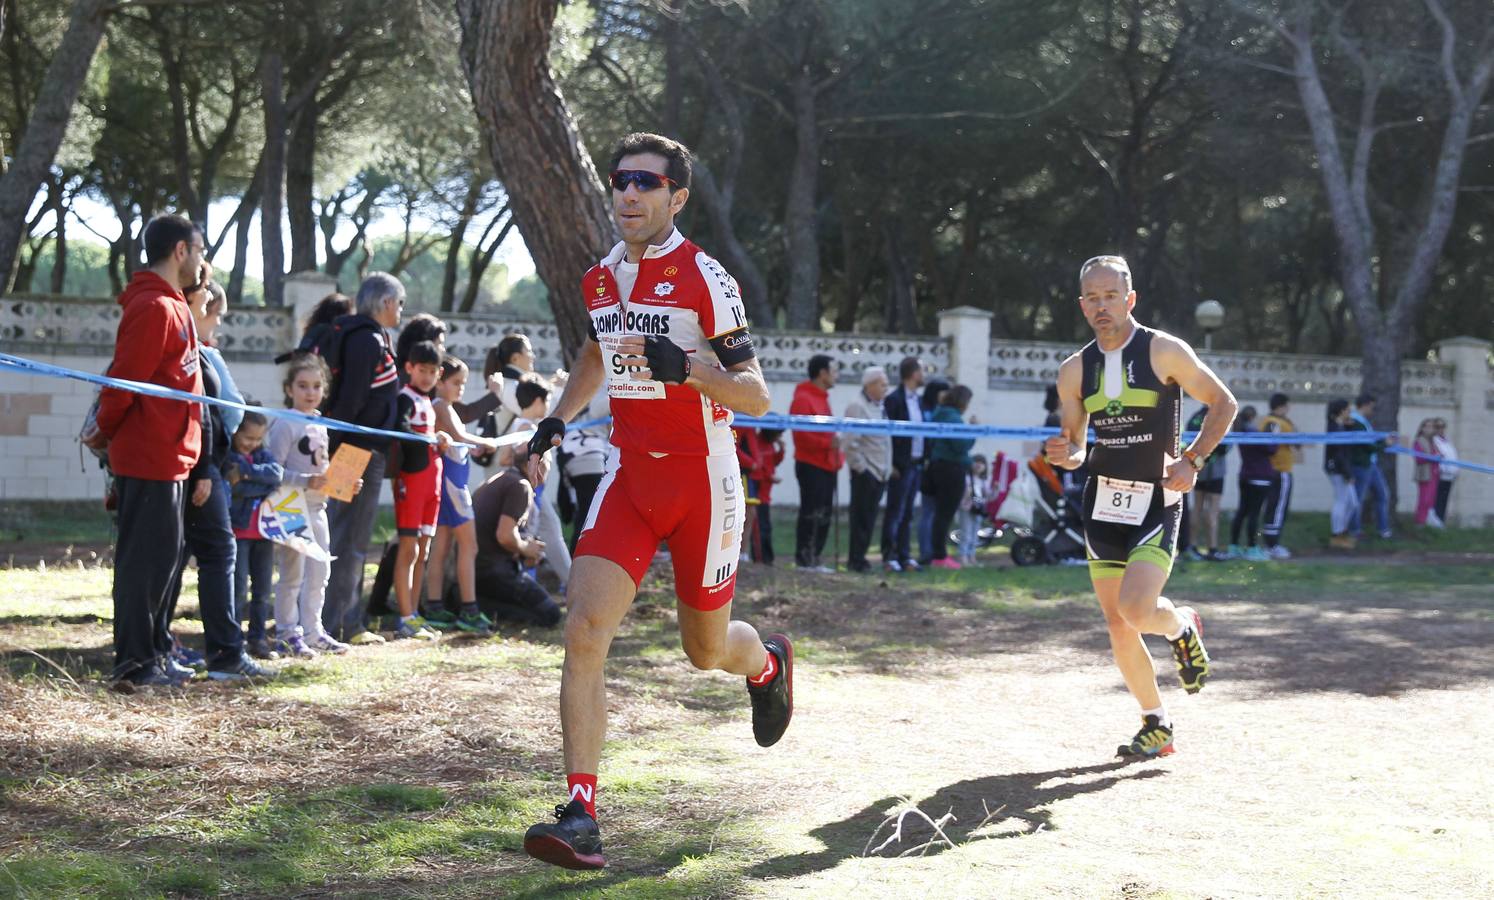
column 1046, row 524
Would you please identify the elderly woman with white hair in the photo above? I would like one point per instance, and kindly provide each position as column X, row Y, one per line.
column 869, row 457
column 365, row 391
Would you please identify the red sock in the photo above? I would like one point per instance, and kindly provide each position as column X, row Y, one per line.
column 770, row 668
column 584, row 788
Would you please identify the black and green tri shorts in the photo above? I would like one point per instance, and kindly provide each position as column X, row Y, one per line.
column 1110, row 546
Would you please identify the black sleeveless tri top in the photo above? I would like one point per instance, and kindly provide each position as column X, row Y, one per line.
column 1135, row 416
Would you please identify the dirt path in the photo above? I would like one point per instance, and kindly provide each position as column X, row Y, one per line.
column 1340, row 751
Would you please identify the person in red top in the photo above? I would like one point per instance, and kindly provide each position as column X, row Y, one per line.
column 759, row 452
column 670, row 342
column 817, row 459
column 152, row 444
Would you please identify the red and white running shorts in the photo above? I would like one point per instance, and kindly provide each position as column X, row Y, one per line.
column 694, row 503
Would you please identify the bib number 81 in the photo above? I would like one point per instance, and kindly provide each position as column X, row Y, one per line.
column 1119, row 499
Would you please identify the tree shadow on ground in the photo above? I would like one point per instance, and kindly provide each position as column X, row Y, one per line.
column 988, row 808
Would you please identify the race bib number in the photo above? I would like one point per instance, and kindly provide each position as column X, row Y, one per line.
column 620, row 381
column 1122, row 502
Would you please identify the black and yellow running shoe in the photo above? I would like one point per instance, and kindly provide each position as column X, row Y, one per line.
column 1189, row 653
column 1154, row 739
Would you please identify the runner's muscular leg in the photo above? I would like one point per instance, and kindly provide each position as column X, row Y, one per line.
column 1127, row 646
column 1141, row 602
column 598, row 596
column 713, row 640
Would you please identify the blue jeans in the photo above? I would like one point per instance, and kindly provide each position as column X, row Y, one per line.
column 897, row 529
column 344, row 613
column 210, row 540
column 252, row 576
column 926, row 509
column 1366, row 480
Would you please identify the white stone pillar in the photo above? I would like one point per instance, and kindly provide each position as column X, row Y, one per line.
column 1471, row 427
column 969, row 331
column 304, row 290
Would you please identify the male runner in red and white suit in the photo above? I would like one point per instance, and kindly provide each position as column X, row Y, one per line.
column 670, row 343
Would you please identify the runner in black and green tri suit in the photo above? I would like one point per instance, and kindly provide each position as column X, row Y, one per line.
column 1128, row 385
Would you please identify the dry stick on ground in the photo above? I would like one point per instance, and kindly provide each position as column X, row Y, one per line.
column 896, row 818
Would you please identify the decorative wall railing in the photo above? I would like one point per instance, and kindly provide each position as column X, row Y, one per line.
column 785, row 355
column 1033, row 365
column 34, row 323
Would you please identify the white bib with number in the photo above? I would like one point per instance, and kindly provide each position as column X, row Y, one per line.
column 620, row 381
column 1122, row 502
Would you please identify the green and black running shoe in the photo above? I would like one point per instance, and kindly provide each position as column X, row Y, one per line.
column 1189, row 653
column 441, row 620
column 474, row 623
column 573, row 842
column 1154, row 739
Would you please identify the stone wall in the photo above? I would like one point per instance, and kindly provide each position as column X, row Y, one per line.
column 40, row 417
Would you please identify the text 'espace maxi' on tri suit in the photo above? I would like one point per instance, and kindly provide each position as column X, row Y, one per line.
column 675, row 476
column 1128, row 515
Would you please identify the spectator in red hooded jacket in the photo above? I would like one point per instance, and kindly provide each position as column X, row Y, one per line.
column 817, row 459
column 153, row 444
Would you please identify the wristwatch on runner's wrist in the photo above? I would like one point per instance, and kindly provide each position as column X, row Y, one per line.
column 1194, row 460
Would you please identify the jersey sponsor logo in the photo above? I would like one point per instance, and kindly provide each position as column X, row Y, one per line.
column 1130, row 375
column 729, row 521
column 647, row 322
column 736, row 340
column 608, row 322
column 671, row 271
column 663, row 289
column 1114, row 408
column 727, row 283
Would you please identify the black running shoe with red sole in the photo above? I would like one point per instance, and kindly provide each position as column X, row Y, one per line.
column 573, row 842
column 773, row 703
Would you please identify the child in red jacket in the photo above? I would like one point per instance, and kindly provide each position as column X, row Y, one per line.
column 760, row 451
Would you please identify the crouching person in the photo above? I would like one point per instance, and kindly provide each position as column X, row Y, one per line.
column 505, row 548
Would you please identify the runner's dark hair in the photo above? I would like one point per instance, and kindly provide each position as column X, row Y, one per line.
column 680, row 159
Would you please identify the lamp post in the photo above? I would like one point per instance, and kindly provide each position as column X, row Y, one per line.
column 1209, row 315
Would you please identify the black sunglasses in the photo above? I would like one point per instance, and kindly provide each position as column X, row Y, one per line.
column 646, row 180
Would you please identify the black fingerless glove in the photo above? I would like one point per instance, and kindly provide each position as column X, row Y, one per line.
column 666, row 360
column 545, row 434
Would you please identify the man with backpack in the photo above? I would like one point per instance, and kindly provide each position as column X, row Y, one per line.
column 365, row 391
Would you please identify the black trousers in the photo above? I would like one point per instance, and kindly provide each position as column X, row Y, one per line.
column 945, row 482
column 1278, row 504
column 866, row 496
column 506, row 594
column 1444, row 490
column 586, row 488
column 816, row 496
column 1252, row 497
column 146, row 556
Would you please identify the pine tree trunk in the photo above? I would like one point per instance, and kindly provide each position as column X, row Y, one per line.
column 273, row 200
column 300, row 186
column 47, row 124
column 801, row 219
column 553, row 187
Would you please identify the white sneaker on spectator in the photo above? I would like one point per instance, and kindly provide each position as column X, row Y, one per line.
column 893, row 565
column 1280, row 552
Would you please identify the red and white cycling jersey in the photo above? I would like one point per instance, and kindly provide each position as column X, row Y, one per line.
column 685, row 295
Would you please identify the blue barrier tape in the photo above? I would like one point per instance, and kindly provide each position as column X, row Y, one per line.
column 1441, row 460
column 898, row 428
column 21, row 364
column 773, row 420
